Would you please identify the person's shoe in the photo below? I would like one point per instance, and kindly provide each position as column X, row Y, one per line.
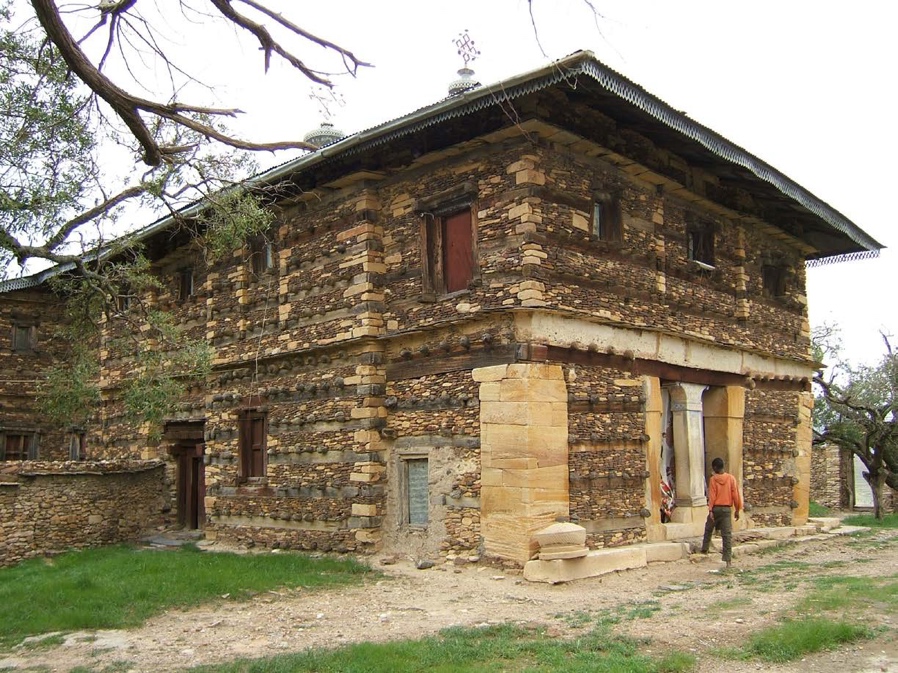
column 704, row 551
column 729, row 564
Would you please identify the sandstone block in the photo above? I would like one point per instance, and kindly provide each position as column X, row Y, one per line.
column 494, row 373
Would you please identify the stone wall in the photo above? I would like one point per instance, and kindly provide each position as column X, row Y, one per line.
column 828, row 489
column 769, row 453
column 50, row 507
column 359, row 366
column 39, row 313
column 607, row 466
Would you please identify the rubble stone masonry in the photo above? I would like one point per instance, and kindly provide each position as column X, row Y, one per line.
column 360, row 364
column 50, row 507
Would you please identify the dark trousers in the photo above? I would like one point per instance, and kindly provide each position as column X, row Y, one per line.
column 721, row 519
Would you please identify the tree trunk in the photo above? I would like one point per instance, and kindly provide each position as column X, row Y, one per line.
column 876, row 479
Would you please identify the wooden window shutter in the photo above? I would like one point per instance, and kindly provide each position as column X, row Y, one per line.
column 458, row 251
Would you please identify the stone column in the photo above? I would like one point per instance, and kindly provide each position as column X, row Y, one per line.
column 689, row 447
column 724, row 412
column 524, row 455
column 801, row 492
column 651, row 386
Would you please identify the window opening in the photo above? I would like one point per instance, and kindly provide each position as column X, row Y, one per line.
column 700, row 246
column 185, row 284
column 417, row 491
column 607, row 219
column 76, row 446
column 261, row 255
column 773, row 278
column 18, row 446
column 23, row 337
column 253, row 431
column 449, row 251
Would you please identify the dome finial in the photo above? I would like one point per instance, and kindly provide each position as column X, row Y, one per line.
column 468, row 52
column 325, row 134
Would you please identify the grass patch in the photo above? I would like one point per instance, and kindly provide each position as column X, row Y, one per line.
column 852, row 594
column 888, row 521
column 119, row 587
column 730, row 605
column 115, row 667
column 794, row 639
column 818, row 510
column 460, row 650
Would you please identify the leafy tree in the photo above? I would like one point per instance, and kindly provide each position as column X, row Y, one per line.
column 62, row 116
column 857, row 409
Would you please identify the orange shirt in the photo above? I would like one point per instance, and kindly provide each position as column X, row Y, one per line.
column 722, row 492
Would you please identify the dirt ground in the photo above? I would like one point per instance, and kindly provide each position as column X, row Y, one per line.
column 697, row 608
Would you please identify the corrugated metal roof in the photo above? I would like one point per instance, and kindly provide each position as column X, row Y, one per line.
column 566, row 70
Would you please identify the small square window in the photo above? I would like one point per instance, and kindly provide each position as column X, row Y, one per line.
column 261, row 253
column 607, row 219
column 417, row 491
column 23, row 337
column 773, row 278
column 185, row 284
column 700, row 245
column 18, row 446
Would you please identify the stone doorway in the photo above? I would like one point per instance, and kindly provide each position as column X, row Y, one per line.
column 696, row 423
column 188, row 451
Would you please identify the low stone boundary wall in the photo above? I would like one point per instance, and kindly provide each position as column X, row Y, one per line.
column 48, row 507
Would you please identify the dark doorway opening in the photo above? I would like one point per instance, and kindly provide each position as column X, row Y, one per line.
column 188, row 450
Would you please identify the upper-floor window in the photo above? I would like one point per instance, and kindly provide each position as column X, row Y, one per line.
column 773, row 278
column 185, row 283
column 23, row 337
column 18, row 446
column 607, row 222
column 700, row 244
column 261, row 254
column 252, row 444
column 449, row 258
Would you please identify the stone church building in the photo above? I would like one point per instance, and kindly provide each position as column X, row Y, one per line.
column 553, row 297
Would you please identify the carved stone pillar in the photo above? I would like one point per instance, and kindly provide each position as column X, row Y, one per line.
column 689, row 448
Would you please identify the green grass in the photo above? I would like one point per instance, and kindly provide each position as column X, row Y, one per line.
column 119, row 587
column 459, row 650
column 731, row 605
column 794, row 639
column 851, row 594
column 818, row 510
column 887, row 521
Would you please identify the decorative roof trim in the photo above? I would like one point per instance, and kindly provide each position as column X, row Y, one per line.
column 847, row 257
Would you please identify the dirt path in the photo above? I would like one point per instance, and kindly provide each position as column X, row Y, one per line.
column 685, row 605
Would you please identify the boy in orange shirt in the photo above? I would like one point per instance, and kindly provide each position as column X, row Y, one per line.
column 723, row 497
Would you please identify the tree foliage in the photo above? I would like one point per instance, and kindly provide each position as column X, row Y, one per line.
column 857, row 409
column 72, row 104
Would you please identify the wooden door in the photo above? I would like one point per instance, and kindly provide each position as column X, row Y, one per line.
column 191, row 485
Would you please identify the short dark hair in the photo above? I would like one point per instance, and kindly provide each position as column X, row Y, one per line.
column 717, row 464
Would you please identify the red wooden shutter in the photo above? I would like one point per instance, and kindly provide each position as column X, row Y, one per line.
column 458, row 251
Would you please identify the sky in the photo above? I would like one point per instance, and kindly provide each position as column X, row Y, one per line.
column 805, row 85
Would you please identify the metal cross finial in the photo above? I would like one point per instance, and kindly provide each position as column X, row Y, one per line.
column 327, row 99
column 466, row 48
